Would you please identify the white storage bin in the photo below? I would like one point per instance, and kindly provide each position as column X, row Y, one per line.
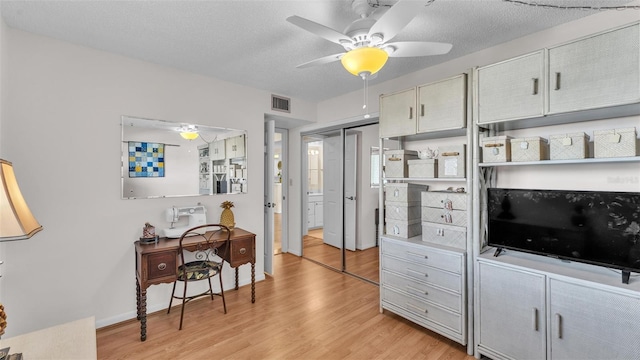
column 395, row 162
column 496, row 149
column 452, row 161
column 614, row 143
column 403, row 191
column 440, row 199
column 444, row 216
column 403, row 228
column 423, row 168
column 529, row 149
column 398, row 210
column 568, row 146
column 448, row 235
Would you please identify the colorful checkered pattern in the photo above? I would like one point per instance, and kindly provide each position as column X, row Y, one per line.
column 146, row 159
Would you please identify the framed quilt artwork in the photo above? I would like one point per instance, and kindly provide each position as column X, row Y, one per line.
column 146, row 159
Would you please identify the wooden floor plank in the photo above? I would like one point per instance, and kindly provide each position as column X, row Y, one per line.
column 306, row 312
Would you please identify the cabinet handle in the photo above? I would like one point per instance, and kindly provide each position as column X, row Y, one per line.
column 535, row 319
column 417, row 308
column 418, row 273
column 417, row 290
column 162, row 266
column 422, row 110
column 410, row 112
column 418, row 255
column 559, row 321
column 535, row 86
column 557, row 81
column 243, row 251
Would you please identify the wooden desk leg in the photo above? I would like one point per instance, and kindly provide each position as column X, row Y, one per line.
column 253, row 282
column 237, row 278
column 138, row 299
column 143, row 314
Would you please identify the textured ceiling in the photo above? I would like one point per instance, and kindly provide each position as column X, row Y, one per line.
column 251, row 43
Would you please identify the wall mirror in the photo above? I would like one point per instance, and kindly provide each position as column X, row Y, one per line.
column 171, row 159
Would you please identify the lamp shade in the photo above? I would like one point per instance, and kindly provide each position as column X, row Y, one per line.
column 364, row 60
column 16, row 220
column 189, row 135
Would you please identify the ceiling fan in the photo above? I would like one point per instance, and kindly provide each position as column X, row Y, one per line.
column 366, row 40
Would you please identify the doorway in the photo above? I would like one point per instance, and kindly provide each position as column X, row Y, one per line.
column 339, row 229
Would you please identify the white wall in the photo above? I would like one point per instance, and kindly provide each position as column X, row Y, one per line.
column 349, row 106
column 367, row 196
column 3, row 52
column 61, row 128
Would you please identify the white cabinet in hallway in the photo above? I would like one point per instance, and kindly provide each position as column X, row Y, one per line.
column 314, row 211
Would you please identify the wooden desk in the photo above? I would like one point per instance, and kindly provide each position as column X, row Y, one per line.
column 158, row 263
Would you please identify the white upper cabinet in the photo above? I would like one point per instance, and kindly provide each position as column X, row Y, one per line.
column 217, row 150
column 398, row 114
column 594, row 72
column 235, row 147
column 442, row 105
column 511, row 89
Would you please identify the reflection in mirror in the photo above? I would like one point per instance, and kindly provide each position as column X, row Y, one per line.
column 171, row 159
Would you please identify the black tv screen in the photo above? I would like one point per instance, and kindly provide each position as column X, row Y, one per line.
column 595, row 227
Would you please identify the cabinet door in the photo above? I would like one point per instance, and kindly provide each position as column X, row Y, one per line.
column 240, row 146
column 319, row 214
column 398, row 114
column 217, row 150
column 511, row 89
column 589, row 323
column 235, row 147
column 443, row 105
column 512, row 312
column 602, row 70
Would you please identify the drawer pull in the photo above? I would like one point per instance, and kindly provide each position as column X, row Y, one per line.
column 418, row 255
column 162, row 266
column 417, row 290
column 417, row 308
column 243, row 251
column 418, row 273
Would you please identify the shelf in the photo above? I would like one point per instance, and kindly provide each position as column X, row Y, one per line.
column 440, row 134
column 564, row 162
column 427, row 179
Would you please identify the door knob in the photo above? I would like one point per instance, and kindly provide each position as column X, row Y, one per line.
column 350, row 197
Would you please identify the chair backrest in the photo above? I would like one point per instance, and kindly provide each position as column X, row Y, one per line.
column 204, row 241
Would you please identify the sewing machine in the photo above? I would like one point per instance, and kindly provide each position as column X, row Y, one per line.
column 197, row 216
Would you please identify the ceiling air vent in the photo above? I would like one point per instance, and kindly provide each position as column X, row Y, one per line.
column 280, row 103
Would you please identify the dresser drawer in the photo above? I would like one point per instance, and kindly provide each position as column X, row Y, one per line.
column 423, row 309
column 423, row 273
column 242, row 251
column 447, row 299
column 423, row 254
column 160, row 265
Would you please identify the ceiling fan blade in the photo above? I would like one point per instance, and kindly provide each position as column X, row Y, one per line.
column 396, row 18
column 319, row 29
column 416, row 48
column 321, row 61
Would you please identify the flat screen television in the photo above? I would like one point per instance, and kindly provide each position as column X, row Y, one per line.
column 595, row 227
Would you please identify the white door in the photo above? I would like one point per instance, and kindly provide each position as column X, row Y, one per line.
column 350, row 187
column 332, row 190
column 269, row 134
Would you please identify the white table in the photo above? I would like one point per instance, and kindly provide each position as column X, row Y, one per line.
column 73, row 340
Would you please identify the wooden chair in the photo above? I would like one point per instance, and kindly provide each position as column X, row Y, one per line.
column 203, row 241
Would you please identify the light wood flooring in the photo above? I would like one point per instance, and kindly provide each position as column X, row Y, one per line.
column 363, row 263
column 305, row 312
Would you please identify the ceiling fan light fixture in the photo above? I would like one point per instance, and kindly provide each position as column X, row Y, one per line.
column 364, row 60
column 189, row 132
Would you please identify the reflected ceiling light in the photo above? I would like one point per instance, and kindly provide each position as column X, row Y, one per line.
column 16, row 220
column 189, row 132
